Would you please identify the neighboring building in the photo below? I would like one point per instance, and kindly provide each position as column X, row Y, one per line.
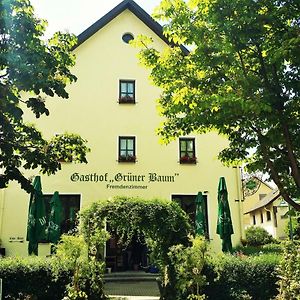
column 254, row 194
column 113, row 106
column 270, row 214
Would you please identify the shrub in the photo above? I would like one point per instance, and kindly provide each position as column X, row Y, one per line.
column 32, row 277
column 289, row 272
column 87, row 268
column 272, row 248
column 294, row 226
column 242, row 277
column 258, row 250
column 188, row 265
column 74, row 272
column 257, row 236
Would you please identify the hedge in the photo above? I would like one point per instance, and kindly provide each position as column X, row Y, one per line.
column 231, row 277
column 32, row 276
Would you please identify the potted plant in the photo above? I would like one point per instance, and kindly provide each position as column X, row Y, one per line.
column 127, row 158
column 126, row 99
column 188, row 159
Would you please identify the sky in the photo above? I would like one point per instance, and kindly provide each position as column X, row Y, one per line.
column 75, row 16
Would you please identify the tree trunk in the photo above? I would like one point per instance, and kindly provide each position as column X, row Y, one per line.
column 291, row 156
column 275, row 176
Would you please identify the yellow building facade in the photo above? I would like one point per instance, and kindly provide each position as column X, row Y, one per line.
column 270, row 213
column 113, row 106
column 251, row 198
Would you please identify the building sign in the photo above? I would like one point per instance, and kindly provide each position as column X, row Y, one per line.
column 16, row 239
column 125, row 180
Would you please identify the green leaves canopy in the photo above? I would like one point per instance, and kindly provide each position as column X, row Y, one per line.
column 240, row 78
column 30, row 65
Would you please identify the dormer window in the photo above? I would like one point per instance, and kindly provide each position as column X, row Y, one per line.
column 127, row 91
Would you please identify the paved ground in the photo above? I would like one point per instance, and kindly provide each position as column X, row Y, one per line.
column 131, row 285
column 134, row 298
column 138, row 288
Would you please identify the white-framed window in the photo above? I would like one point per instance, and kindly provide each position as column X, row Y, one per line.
column 127, row 91
column 127, row 149
column 187, row 153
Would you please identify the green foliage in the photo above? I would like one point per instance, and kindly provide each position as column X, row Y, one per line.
column 294, row 226
column 146, row 219
column 74, row 272
column 251, row 184
column 32, row 69
column 87, row 268
column 240, row 78
column 289, row 273
column 230, row 277
column 32, row 277
column 188, row 265
column 258, row 250
column 68, row 147
column 257, row 236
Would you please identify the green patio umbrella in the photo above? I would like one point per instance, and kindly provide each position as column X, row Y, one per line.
column 224, row 224
column 55, row 219
column 36, row 225
column 199, row 218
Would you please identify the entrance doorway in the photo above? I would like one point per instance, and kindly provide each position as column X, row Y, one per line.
column 132, row 257
column 188, row 204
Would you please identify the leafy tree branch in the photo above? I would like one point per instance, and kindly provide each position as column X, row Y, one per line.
column 240, row 78
column 32, row 69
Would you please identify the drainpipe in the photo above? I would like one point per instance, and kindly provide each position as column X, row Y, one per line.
column 2, row 200
column 240, row 200
column 290, row 225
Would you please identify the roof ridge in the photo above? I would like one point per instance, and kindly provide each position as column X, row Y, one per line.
column 137, row 10
column 270, row 197
column 114, row 12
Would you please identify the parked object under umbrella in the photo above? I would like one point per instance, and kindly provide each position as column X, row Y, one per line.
column 55, row 219
column 200, row 218
column 224, row 225
column 36, row 225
